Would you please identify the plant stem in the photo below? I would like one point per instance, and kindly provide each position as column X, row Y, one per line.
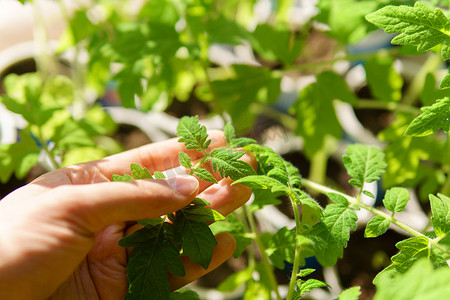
column 390, row 106
column 262, row 249
column 356, row 57
column 323, row 189
column 416, row 85
column 298, row 249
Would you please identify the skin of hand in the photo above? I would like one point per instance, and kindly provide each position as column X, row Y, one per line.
column 59, row 234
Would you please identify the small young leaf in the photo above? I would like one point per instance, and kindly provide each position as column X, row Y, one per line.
column 440, row 206
column 242, row 142
column 369, row 194
column 396, row 199
column 229, row 133
column 309, row 285
column 192, row 133
column 200, row 213
column 418, row 26
column 432, row 119
column 204, row 175
column 185, row 160
column 376, row 226
column 227, row 162
column 262, row 182
column 364, row 163
column 352, row 293
column 306, row 272
column 159, row 175
column 139, row 172
column 125, row 177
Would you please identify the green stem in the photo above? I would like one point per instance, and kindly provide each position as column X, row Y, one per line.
column 445, row 190
column 323, row 189
column 326, row 63
column 201, row 162
column 318, row 167
column 416, row 86
column 298, row 249
column 390, row 106
column 265, row 260
column 54, row 164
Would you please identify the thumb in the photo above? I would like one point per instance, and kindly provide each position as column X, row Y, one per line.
column 96, row 206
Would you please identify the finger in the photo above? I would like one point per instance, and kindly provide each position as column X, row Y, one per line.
column 223, row 197
column 92, row 207
column 156, row 157
column 224, row 249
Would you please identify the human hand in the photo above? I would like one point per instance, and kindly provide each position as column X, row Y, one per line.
column 59, row 234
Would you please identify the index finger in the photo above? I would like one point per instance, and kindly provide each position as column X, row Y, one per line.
column 158, row 156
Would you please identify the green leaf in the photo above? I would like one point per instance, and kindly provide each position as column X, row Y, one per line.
column 185, row 160
column 148, row 265
column 236, row 280
column 192, row 133
column 364, row 163
column 431, row 92
column 204, row 175
column 346, row 18
column 229, row 133
column 445, row 83
column 332, row 234
column 315, row 111
column 248, row 84
column 281, row 247
column 376, row 227
column 198, row 242
column 194, row 235
column 440, row 207
column 236, row 228
column 242, row 142
column 432, row 119
column 139, row 172
column 369, row 194
column 159, row 175
column 413, row 249
column 125, row 178
column 306, row 272
column 384, row 81
column 404, row 153
column 227, row 163
column 418, row 26
column 200, row 213
column 352, row 293
column 420, row 282
column 19, row 157
column 276, row 43
column 184, row 295
column 262, row 182
column 263, row 198
column 309, row 285
column 396, row 199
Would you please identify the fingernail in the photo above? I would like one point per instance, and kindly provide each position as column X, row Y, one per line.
column 185, row 185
